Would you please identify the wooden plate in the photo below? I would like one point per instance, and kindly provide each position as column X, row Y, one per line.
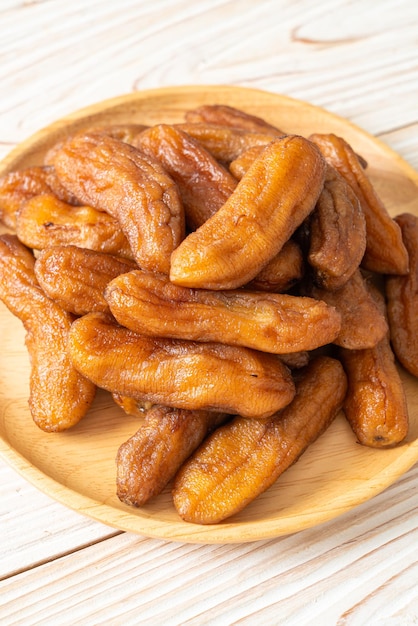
column 77, row 467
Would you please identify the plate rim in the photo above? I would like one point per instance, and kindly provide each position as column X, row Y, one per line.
column 223, row 533
column 87, row 111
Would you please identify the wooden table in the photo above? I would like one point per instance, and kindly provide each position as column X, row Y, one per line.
column 356, row 59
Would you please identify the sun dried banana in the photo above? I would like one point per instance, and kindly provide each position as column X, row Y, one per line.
column 295, row 360
column 402, row 299
column 385, row 251
column 76, row 277
column 362, row 323
column 242, row 163
column 242, row 459
column 282, row 272
column 149, row 459
column 277, row 193
column 337, row 233
column 45, row 221
column 122, row 132
column 134, row 188
column 59, row 395
column 58, row 189
column 204, row 184
column 181, row 374
column 375, row 405
column 224, row 115
column 277, row 323
column 225, row 143
column 16, row 188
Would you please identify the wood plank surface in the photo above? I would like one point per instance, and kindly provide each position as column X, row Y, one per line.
column 356, row 59
column 329, row 573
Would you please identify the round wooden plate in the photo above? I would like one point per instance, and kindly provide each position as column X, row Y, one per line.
column 77, row 467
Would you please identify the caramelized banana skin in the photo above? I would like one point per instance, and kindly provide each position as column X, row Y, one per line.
column 113, row 176
column 242, row 459
column 45, row 221
column 375, row 406
column 149, row 459
column 18, row 187
column 402, row 299
column 76, row 277
column 385, row 251
column 277, row 193
column 282, row 272
column 226, row 143
column 224, row 115
column 275, row 323
column 363, row 324
column 242, row 163
column 59, row 395
column 181, row 374
column 204, row 184
column 337, row 233
column 122, row 132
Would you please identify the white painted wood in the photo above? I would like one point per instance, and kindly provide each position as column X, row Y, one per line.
column 404, row 141
column 357, row 59
column 34, row 528
column 316, row 576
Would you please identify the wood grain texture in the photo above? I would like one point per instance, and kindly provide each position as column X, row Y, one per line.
column 46, row 526
column 339, row 55
column 356, row 59
column 316, row 576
